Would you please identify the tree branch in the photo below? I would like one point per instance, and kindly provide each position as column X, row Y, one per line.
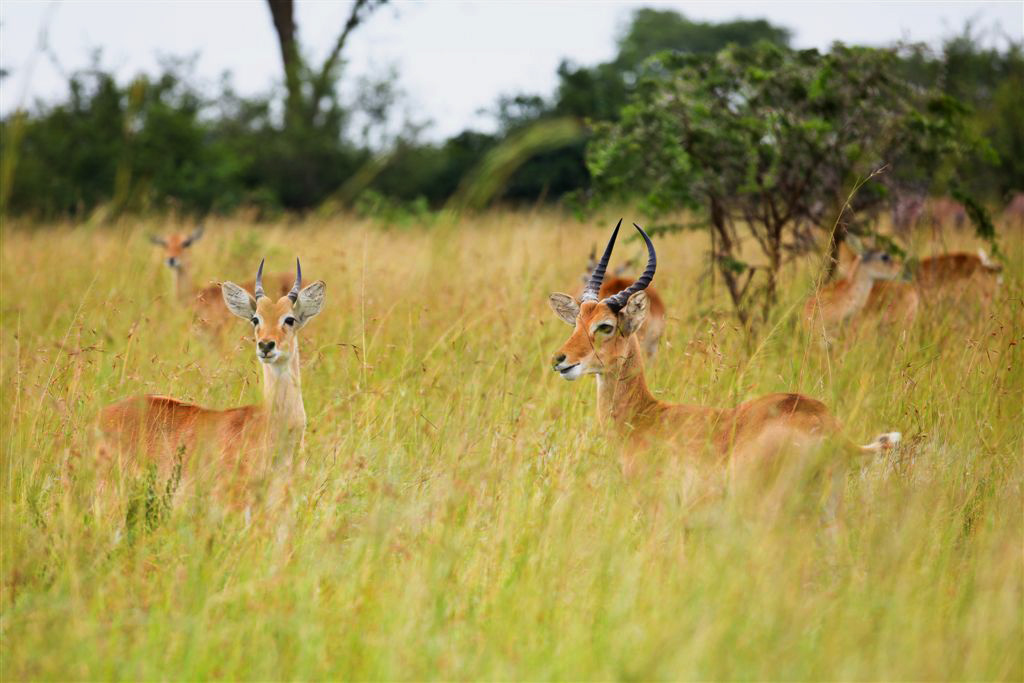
column 322, row 82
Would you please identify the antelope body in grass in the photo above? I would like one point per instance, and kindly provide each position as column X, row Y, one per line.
column 942, row 211
column 654, row 326
column 954, row 272
column 604, row 343
column 158, row 427
column 838, row 302
column 962, row 275
column 205, row 300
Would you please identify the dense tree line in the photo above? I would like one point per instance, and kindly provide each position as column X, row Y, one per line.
column 159, row 141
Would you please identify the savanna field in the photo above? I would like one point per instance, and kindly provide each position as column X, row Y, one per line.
column 457, row 511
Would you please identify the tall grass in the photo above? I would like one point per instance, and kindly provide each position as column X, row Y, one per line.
column 459, row 513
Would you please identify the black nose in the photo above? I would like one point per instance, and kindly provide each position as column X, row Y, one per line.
column 172, row 262
column 558, row 359
column 265, row 346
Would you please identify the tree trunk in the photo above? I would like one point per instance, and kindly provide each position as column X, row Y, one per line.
column 719, row 227
column 283, row 13
column 774, row 266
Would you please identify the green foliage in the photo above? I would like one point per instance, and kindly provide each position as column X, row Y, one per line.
column 372, row 204
column 977, row 214
column 598, row 93
column 652, row 31
column 155, row 144
column 148, row 505
column 772, row 141
column 971, row 71
column 483, row 185
column 432, row 171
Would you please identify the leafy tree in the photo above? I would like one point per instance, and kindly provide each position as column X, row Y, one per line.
column 598, row 93
column 652, row 31
column 770, row 141
column 138, row 145
column 432, row 172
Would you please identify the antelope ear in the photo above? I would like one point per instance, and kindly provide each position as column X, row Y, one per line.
column 158, row 240
column 634, row 313
column 846, row 258
column 194, row 237
column 855, row 244
column 310, row 301
column 565, row 307
column 238, row 301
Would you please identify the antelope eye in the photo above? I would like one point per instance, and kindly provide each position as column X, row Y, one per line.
column 255, row 321
column 886, row 257
column 605, row 328
column 289, row 321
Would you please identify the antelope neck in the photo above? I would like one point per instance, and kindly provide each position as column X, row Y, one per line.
column 622, row 392
column 182, row 282
column 282, row 393
column 859, row 290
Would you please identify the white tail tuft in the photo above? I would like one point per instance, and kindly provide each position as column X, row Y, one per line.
column 883, row 442
column 987, row 262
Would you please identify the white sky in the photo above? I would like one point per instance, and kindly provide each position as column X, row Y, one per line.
column 454, row 58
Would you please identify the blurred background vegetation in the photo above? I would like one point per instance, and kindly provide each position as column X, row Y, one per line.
column 159, row 141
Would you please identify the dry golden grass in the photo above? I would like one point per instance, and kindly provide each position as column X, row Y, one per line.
column 458, row 513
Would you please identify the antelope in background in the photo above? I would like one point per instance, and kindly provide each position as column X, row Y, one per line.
column 942, row 211
column 604, row 343
column 907, row 211
column 1013, row 214
column 958, row 272
column 838, row 302
column 206, row 300
column 943, row 276
column 654, row 326
column 894, row 302
column 911, row 210
column 157, row 427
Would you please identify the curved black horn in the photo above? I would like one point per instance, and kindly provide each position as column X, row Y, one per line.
column 294, row 294
column 619, row 300
column 258, row 287
column 590, row 292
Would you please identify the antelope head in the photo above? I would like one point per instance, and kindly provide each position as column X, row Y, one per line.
column 602, row 328
column 174, row 246
column 276, row 323
column 872, row 263
column 879, row 265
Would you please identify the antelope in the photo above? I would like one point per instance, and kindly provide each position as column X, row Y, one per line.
column 937, row 273
column 1013, row 214
column 935, row 277
column 906, row 211
column 176, row 249
column 604, row 343
column 159, row 426
column 943, row 210
column 836, row 303
column 654, row 326
column 894, row 301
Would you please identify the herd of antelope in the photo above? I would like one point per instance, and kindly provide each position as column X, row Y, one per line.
column 616, row 326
